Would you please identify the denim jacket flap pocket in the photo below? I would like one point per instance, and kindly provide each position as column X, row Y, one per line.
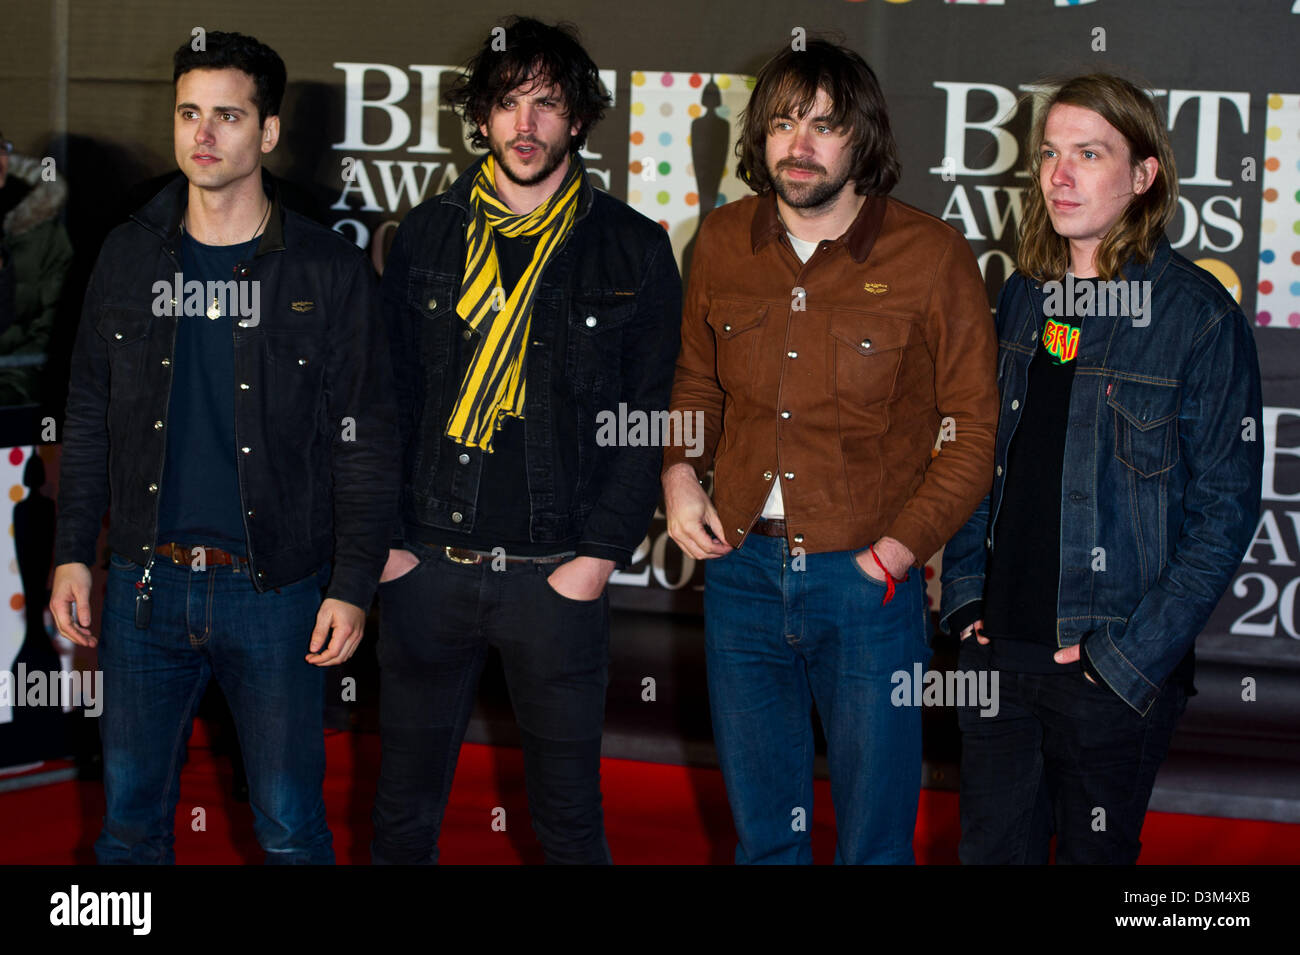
column 1146, row 425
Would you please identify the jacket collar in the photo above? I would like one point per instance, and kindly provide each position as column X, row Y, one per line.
column 858, row 239
column 1152, row 271
column 458, row 192
column 162, row 214
column 1132, row 270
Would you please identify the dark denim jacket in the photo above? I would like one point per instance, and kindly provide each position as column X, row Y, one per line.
column 314, row 487
column 605, row 330
column 1162, row 471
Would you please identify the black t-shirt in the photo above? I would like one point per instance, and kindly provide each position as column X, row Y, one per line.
column 199, row 497
column 1020, row 588
column 1024, row 569
column 503, row 514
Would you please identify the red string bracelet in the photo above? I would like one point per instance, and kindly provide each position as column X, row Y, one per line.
column 889, row 578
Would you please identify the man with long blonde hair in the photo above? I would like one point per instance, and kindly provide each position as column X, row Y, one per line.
column 1126, row 490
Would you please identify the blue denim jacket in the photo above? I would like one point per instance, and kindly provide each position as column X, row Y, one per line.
column 1162, row 471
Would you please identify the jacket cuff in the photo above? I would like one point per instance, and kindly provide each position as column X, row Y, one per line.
column 352, row 585
column 621, row 556
column 916, row 537
column 74, row 554
column 961, row 618
column 1109, row 666
column 675, row 454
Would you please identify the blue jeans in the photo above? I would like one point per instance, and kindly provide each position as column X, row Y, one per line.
column 208, row 624
column 779, row 639
column 1062, row 755
column 435, row 626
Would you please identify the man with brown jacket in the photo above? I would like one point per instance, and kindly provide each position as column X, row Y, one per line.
column 830, row 335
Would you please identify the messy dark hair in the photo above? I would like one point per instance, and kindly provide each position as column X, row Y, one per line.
column 526, row 52
column 236, row 51
column 787, row 85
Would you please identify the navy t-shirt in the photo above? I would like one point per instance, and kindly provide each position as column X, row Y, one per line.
column 199, row 498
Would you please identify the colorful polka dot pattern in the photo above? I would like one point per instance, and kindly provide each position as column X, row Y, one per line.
column 13, row 624
column 661, row 179
column 1277, row 286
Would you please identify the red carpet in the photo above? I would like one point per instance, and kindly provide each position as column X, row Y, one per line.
column 654, row 814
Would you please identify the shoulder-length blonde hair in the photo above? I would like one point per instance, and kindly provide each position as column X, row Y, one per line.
column 1045, row 255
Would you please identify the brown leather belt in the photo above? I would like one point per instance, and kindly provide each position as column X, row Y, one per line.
column 212, row 556
column 463, row 555
column 768, row 528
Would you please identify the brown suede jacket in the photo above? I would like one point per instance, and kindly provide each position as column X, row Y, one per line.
column 840, row 375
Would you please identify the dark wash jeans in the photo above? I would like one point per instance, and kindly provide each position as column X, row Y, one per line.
column 778, row 639
column 436, row 624
column 207, row 624
column 1059, row 749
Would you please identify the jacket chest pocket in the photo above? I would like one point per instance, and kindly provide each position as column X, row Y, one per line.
column 594, row 351
column 125, row 332
column 864, row 356
column 434, row 321
column 1146, row 425
column 737, row 327
column 295, row 364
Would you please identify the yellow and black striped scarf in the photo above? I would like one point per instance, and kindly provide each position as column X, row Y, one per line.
column 494, row 382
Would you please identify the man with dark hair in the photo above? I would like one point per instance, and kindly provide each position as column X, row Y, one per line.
column 832, row 334
column 1127, row 489
column 521, row 304
column 234, row 350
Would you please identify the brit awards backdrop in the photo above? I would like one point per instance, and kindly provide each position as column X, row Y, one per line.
column 366, row 136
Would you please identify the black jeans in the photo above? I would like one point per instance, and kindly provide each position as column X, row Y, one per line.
column 1061, row 755
column 436, row 624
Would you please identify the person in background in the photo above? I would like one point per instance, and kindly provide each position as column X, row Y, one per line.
column 35, row 255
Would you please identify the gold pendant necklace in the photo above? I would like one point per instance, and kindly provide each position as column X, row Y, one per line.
column 214, row 310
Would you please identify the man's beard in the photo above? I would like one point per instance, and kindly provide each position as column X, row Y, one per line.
column 806, row 195
column 555, row 155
